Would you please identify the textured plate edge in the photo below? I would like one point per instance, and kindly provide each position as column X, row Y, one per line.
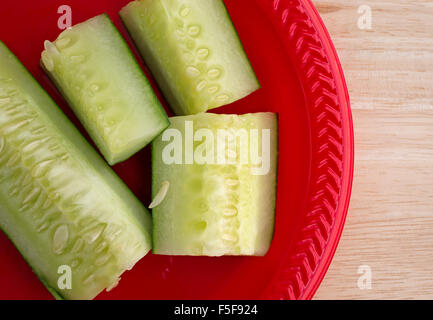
column 303, row 31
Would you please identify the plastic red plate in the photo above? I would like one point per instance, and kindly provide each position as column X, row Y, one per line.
column 302, row 80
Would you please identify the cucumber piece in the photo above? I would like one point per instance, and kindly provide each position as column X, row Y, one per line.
column 60, row 203
column 193, row 51
column 211, row 208
column 96, row 72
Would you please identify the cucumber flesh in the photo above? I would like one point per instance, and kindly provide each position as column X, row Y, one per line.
column 214, row 209
column 60, row 203
column 193, row 51
column 96, row 72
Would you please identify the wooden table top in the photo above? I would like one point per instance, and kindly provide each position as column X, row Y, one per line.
column 389, row 73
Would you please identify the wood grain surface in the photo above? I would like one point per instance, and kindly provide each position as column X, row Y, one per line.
column 389, row 73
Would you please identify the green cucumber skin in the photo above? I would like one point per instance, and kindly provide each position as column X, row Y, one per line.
column 165, row 54
column 57, row 295
column 120, row 217
column 172, row 218
column 137, row 116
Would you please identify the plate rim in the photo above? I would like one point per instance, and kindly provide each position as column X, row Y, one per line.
column 288, row 284
column 310, row 47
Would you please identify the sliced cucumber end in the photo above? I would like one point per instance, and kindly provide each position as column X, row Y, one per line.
column 215, row 209
column 60, row 203
column 94, row 69
column 122, row 153
column 193, row 51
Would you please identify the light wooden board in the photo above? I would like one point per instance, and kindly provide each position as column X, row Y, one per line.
column 389, row 72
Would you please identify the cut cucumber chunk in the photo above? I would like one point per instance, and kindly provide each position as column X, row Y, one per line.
column 96, row 72
column 60, row 203
column 210, row 207
column 193, row 51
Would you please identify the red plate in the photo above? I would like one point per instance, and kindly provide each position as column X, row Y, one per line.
column 302, row 80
